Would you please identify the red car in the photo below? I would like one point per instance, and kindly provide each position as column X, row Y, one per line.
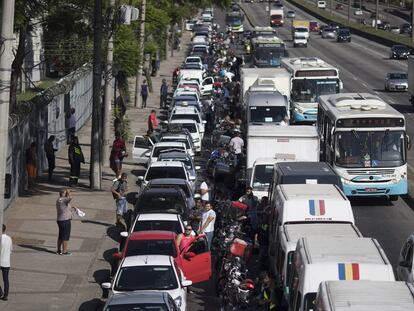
column 314, row 26
column 339, row 7
column 194, row 260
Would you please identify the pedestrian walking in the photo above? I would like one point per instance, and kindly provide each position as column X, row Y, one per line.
column 119, row 191
column 50, row 156
column 71, row 125
column 163, row 94
column 64, row 217
column 75, row 157
column 31, row 165
column 208, row 220
column 118, row 153
column 152, row 121
column 144, row 94
column 5, row 254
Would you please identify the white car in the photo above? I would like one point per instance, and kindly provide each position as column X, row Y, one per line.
column 405, row 268
column 155, row 272
column 165, row 146
column 157, row 221
column 194, row 59
column 171, row 169
column 186, row 91
column 358, row 13
column 181, row 138
column 141, row 149
column 192, row 127
column 189, row 113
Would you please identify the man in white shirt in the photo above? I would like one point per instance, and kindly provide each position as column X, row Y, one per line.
column 208, row 220
column 5, row 252
column 237, row 143
column 71, row 125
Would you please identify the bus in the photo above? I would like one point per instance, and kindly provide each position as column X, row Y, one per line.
column 234, row 21
column 310, row 78
column 365, row 141
column 267, row 51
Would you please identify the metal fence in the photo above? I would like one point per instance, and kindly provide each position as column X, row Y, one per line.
column 46, row 115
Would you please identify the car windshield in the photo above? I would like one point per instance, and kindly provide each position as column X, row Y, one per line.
column 263, row 114
column 400, row 48
column 192, row 60
column 344, row 32
column 151, row 247
column 192, row 66
column 370, row 149
column 161, row 203
column 276, row 16
column 191, row 127
column 301, row 29
column 263, row 175
column 165, row 172
column 158, row 150
column 185, row 116
column 398, row 76
column 138, row 307
column 328, row 30
column 146, row 278
column 187, row 162
column 165, row 225
column 200, row 49
column 308, row 90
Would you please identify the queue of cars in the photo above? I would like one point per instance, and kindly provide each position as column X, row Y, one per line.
column 153, row 273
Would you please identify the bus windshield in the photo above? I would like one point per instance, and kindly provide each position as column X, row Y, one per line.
column 269, row 55
column 308, row 90
column 267, row 114
column 369, row 149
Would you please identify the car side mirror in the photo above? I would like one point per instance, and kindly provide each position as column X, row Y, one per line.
column 408, row 142
column 124, row 234
column 404, row 264
column 186, row 283
column 204, row 122
column 189, row 255
column 147, row 154
column 192, row 178
column 141, row 178
column 117, row 255
column 106, row 285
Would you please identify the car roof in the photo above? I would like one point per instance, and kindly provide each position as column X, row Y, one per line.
column 166, row 164
column 184, row 109
column 174, row 154
column 157, row 216
column 147, row 260
column 152, row 235
column 138, row 297
column 184, row 121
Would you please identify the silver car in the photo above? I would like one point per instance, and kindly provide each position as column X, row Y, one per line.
column 396, row 81
column 329, row 33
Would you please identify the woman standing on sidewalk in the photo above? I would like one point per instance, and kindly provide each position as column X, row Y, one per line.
column 64, row 217
column 144, row 94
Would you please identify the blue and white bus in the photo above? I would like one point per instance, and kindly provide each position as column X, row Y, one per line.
column 310, row 78
column 365, row 140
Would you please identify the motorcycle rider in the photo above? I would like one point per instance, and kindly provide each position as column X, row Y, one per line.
column 251, row 201
column 267, row 299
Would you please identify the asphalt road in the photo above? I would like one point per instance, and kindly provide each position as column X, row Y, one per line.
column 363, row 65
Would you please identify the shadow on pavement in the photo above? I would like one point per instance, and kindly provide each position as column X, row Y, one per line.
column 37, row 248
column 92, row 305
column 102, row 276
column 114, row 232
column 95, row 222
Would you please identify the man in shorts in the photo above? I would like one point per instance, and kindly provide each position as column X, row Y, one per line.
column 64, row 216
column 119, row 191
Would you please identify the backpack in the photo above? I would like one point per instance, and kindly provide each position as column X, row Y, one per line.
column 117, row 188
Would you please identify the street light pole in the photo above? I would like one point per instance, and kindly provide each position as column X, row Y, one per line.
column 141, row 53
column 108, row 92
column 5, row 72
column 95, row 168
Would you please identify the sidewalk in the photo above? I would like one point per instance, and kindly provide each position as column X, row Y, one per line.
column 40, row 280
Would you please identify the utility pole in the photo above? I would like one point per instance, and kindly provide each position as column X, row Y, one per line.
column 108, row 92
column 376, row 14
column 141, row 39
column 412, row 22
column 349, row 11
column 6, row 37
column 95, row 169
column 331, row 5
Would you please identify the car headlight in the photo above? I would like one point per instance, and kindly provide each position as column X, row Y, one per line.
column 299, row 109
column 178, row 301
column 196, row 140
column 345, row 181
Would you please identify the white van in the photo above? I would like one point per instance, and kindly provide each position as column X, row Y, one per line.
column 320, row 259
column 308, row 203
column 365, row 295
column 281, row 256
column 321, row 4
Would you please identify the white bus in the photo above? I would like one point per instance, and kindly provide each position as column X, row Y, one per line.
column 365, row 140
column 310, row 78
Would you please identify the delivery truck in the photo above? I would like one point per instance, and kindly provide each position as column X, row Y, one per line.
column 276, row 17
column 300, row 32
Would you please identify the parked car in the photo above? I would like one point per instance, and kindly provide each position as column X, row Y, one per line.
column 181, row 138
column 395, row 29
column 399, row 51
column 396, row 81
column 182, row 157
column 405, row 268
column 141, row 300
column 165, row 146
column 343, row 35
column 156, row 272
column 192, row 127
column 163, row 243
column 328, row 33
column 162, row 200
column 358, row 12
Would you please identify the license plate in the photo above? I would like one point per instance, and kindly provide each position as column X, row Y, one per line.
column 400, row 87
column 371, row 189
